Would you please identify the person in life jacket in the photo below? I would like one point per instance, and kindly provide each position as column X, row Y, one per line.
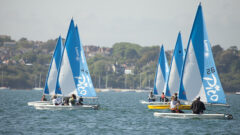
column 72, row 100
column 197, row 106
column 174, row 106
column 163, row 98
column 43, row 98
column 151, row 97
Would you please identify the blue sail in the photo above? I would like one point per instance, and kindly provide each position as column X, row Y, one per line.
column 70, row 31
column 161, row 76
column 73, row 76
column 176, row 67
column 84, row 82
column 50, row 83
column 200, row 77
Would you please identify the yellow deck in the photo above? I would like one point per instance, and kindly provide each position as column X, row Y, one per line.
column 162, row 107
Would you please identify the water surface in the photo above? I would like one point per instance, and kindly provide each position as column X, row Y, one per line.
column 120, row 113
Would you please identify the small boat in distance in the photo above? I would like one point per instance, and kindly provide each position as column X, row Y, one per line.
column 237, row 93
column 161, row 77
column 3, row 87
column 39, row 83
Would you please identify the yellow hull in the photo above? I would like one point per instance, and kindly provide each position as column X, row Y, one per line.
column 162, row 107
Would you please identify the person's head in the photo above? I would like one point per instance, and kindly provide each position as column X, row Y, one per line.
column 43, row 96
column 54, row 96
column 175, row 94
column 73, row 96
column 172, row 98
column 198, row 99
column 162, row 93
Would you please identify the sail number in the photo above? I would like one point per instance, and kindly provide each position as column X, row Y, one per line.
column 212, row 87
column 210, row 70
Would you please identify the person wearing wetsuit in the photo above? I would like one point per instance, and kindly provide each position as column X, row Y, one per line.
column 197, row 106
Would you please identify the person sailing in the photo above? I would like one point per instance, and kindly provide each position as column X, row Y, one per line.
column 151, row 97
column 198, row 106
column 56, row 100
column 80, row 101
column 174, row 106
column 72, row 100
column 43, row 98
column 175, row 96
column 163, row 98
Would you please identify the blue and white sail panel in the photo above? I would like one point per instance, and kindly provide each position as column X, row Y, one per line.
column 70, row 31
column 161, row 77
column 200, row 77
column 176, row 66
column 51, row 79
column 84, row 83
column 69, row 65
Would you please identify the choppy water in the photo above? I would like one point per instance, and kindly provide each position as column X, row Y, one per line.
column 120, row 113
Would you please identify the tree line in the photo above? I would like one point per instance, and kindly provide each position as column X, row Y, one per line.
column 106, row 71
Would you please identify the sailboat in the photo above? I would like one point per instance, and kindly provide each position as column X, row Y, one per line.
column 73, row 76
column 50, row 84
column 2, row 84
column 39, row 83
column 161, row 77
column 199, row 75
column 173, row 82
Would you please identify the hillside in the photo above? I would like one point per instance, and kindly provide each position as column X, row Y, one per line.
column 122, row 66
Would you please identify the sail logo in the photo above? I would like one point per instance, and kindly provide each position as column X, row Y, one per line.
column 83, row 60
column 82, row 84
column 212, row 87
column 206, row 52
column 77, row 53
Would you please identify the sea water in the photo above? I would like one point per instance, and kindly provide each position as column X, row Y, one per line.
column 120, row 113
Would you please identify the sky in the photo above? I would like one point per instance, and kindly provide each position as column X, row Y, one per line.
column 105, row 22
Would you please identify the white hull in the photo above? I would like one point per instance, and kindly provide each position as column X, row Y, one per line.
column 138, row 91
column 4, row 88
column 62, row 107
column 189, row 115
column 37, row 88
column 35, row 103
column 237, row 93
column 153, row 103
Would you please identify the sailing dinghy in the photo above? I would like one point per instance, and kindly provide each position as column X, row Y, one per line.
column 161, row 77
column 174, row 75
column 189, row 116
column 52, row 74
column 199, row 76
column 73, row 76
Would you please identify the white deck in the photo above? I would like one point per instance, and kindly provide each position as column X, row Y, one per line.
column 153, row 103
column 61, row 107
column 189, row 115
column 39, row 103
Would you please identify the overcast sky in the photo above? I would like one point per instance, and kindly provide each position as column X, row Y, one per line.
column 105, row 22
